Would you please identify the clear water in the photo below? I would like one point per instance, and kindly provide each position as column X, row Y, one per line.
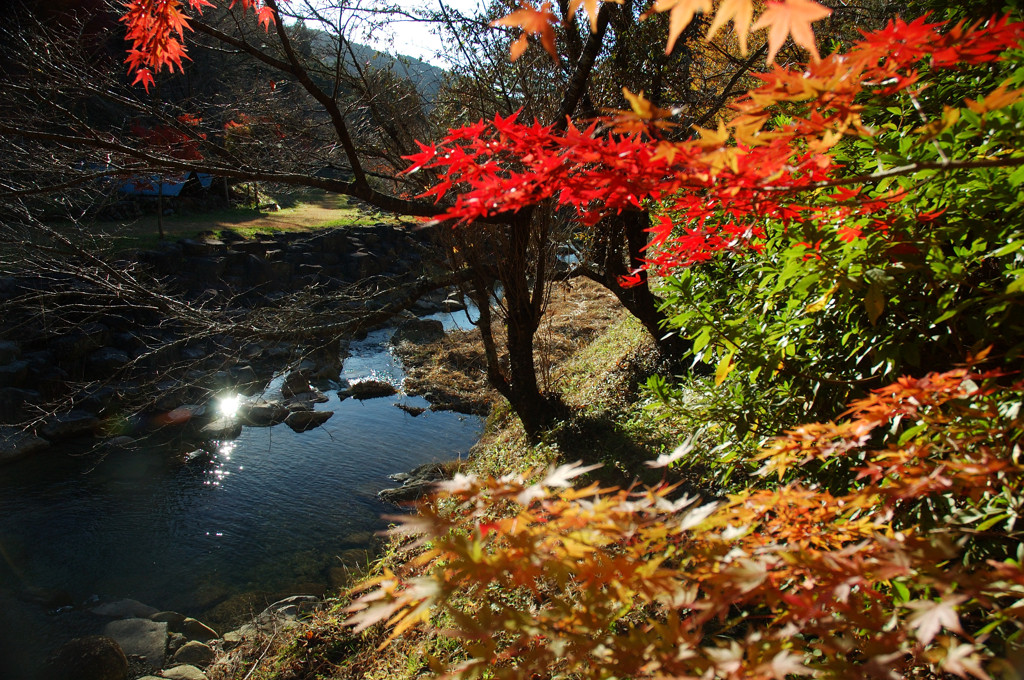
column 270, row 513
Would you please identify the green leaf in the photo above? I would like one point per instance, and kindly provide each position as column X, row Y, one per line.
column 1008, row 248
column 902, row 592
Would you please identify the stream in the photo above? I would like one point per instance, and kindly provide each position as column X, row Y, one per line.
column 212, row 534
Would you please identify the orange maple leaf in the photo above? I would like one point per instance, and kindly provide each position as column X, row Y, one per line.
column 792, row 17
column 533, row 22
column 682, row 13
column 592, row 8
column 740, row 12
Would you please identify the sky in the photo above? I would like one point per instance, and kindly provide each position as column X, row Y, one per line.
column 415, row 39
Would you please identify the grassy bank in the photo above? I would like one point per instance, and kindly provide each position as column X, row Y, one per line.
column 598, row 358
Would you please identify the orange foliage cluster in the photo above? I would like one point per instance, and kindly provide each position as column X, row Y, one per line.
column 541, row 578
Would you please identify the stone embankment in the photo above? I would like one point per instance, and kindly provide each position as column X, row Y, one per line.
column 74, row 361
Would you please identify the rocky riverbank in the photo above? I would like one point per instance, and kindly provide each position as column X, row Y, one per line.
column 140, row 641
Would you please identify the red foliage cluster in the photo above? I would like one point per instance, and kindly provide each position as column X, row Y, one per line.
column 156, row 29
column 717, row 190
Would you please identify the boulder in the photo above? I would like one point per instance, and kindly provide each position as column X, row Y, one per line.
column 69, row 425
column 13, row 374
column 292, row 608
column 225, row 427
column 305, row 400
column 172, row 619
column 125, row 609
column 94, row 657
column 195, row 653
column 107, row 360
column 140, row 637
column 297, row 382
column 16, row 443
column 262, row 413
column 300, row 421
column 194, row 629
column 370, row 389
column 183, row 672
column 9, row 351
column 418, row 331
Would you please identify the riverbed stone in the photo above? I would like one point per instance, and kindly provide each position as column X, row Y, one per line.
column 194, row 629
column 13, row 374
column 300, row 421
column 9, row 351
column 172, row 619
column 183, row 672
column 107, row 360
column 296, row 382
column 140, row 637
column 69, row 425
column 125, row 609
column 370, row 389
column 224, row 427
column 94, row 657
column 15, row 444
column 291, row 608
column 195, row 653
column 262, row 413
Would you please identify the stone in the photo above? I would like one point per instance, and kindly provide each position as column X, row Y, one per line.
column 13, row 374
column 13, row 398
column 233, row 638
column 371, row 389
column 225, row 427
column 125, row 609
column 183, row 672
column 297, row 382
column 292, row 608
column 300, row 421
column 175, row 641
column 140, row 637
column 172, row 619
column 69, row 425
column 16, row 444
column 418, row 331
column 195, row 653
column 305, row 400
column 9, row 351
column 94, row 657
column 262, row 413
column 107, row 360
column 194, row 629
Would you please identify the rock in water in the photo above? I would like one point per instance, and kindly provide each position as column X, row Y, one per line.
column 87, row 658
column 15, row 444
column 300, row 421
column 141, row 637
